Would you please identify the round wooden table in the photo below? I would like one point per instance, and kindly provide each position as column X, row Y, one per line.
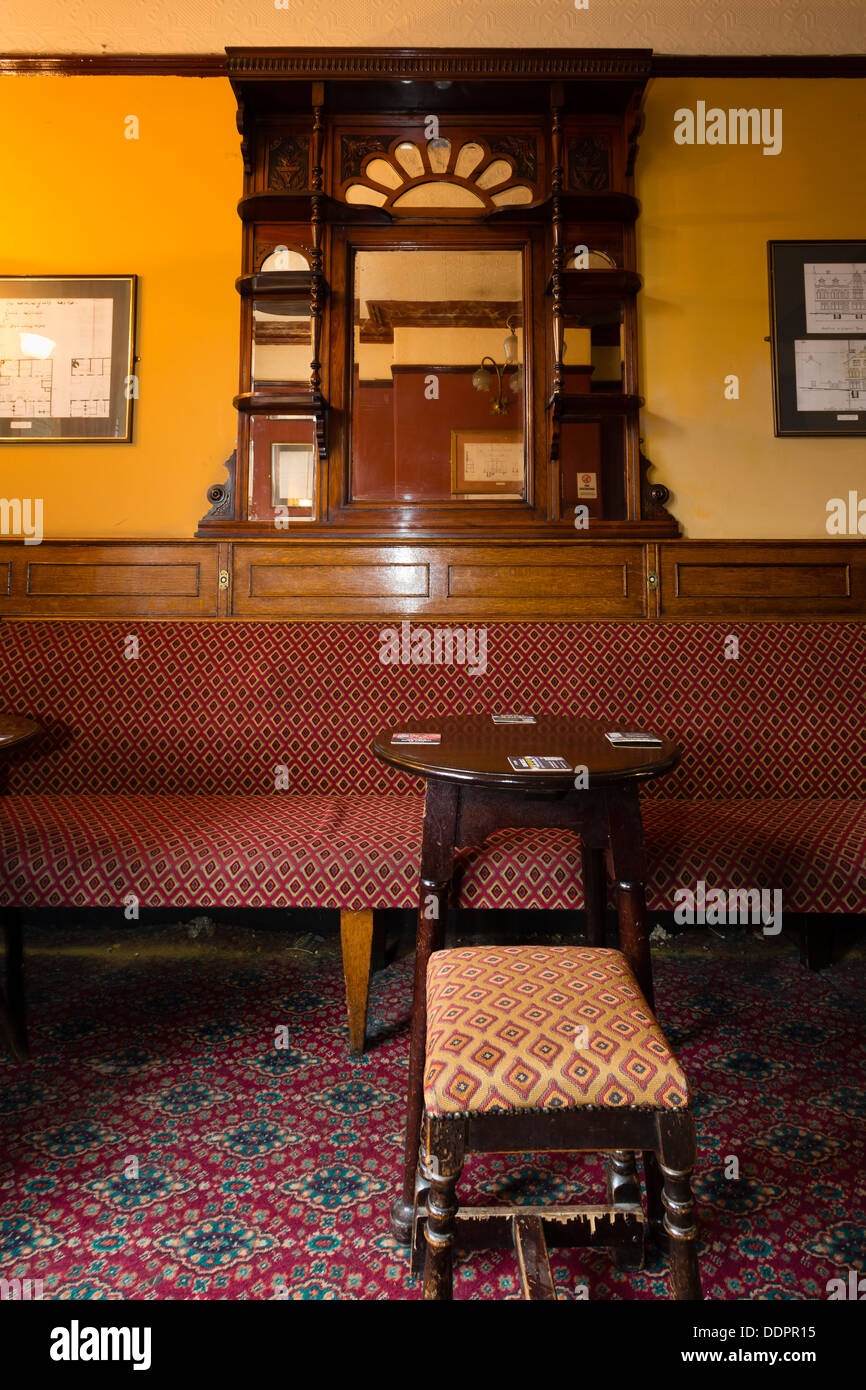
column 472, row 790
column 14, row 728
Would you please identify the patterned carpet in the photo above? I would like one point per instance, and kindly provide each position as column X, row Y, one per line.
column 160, row 1146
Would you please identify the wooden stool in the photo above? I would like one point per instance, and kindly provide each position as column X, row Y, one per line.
column 534, row 1049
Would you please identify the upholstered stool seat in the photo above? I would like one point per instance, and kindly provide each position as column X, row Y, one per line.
column 551, row 1048
column 515, row 1028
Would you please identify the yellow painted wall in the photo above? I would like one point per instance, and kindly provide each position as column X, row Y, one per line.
column 79, row 197
column 707, row 214
column 76, row 196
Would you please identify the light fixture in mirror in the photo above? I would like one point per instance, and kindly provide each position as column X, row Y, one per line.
column 282, row 469
column 428, row 325
column 484, row 379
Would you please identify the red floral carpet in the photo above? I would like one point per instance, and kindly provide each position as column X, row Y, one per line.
column 160, row 1146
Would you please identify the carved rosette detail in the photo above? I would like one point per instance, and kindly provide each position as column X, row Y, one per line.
column 588, row 164
column 289, row 163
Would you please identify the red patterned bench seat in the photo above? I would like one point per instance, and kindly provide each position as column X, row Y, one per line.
column 158, row 775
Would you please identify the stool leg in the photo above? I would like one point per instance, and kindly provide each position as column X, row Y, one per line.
column 442, row 1149
column 654, row 1206
column 677, row 1159
column 439, row 1235
column 624, row 1191
column 422, row 1187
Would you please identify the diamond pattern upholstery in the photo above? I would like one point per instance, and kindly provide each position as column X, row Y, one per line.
column 92, row 850
column 542, row 1028
column 157, row 775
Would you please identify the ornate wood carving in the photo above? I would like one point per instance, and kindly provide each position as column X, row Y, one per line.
column 589, row 164
column 438, row 63
column 354, row 149
column 246, row 155
column 556, row 275
column 317, row 302
column 634, row 126
column 289, row 163
column 522, row 151
column 534, row 95
column 654, row 496
column 222, row 495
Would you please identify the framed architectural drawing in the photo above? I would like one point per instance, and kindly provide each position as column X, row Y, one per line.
column 818, row 326
column 487, row 463
column 67, row 353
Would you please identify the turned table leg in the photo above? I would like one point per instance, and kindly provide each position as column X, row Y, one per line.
column 594, row 893
column 437, row 859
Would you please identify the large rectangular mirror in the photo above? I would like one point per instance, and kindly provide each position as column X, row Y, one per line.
column 438, row 398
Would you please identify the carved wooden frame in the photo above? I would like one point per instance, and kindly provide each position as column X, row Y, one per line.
column 579, row 116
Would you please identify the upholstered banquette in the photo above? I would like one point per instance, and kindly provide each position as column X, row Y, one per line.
column 229, row 764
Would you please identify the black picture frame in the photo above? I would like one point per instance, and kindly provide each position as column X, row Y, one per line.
column 814, row 316
column 35, row 384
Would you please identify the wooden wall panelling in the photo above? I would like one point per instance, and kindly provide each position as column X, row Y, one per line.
column 109, row 579
column 762, row 579
column 444, row 580
column 481, row 579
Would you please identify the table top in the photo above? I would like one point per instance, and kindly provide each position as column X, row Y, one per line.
column 14, row 728
column 474, row 749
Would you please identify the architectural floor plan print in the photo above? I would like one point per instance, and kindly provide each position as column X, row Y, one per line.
column 25, row 388
column 55, row 358
column 831, row 374
column 835, row 298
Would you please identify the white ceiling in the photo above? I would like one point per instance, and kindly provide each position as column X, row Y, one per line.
column 737, row 27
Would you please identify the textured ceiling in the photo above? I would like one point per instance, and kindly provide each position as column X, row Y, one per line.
column 747, row 27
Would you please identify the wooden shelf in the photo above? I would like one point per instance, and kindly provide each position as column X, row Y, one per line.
column 279, row 403
column 582, row 287
column 290, row 287
column 575, row 207
column 593, row 404
column 298, row 207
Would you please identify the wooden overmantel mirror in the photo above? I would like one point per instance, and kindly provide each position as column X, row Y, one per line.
column 438, row 298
